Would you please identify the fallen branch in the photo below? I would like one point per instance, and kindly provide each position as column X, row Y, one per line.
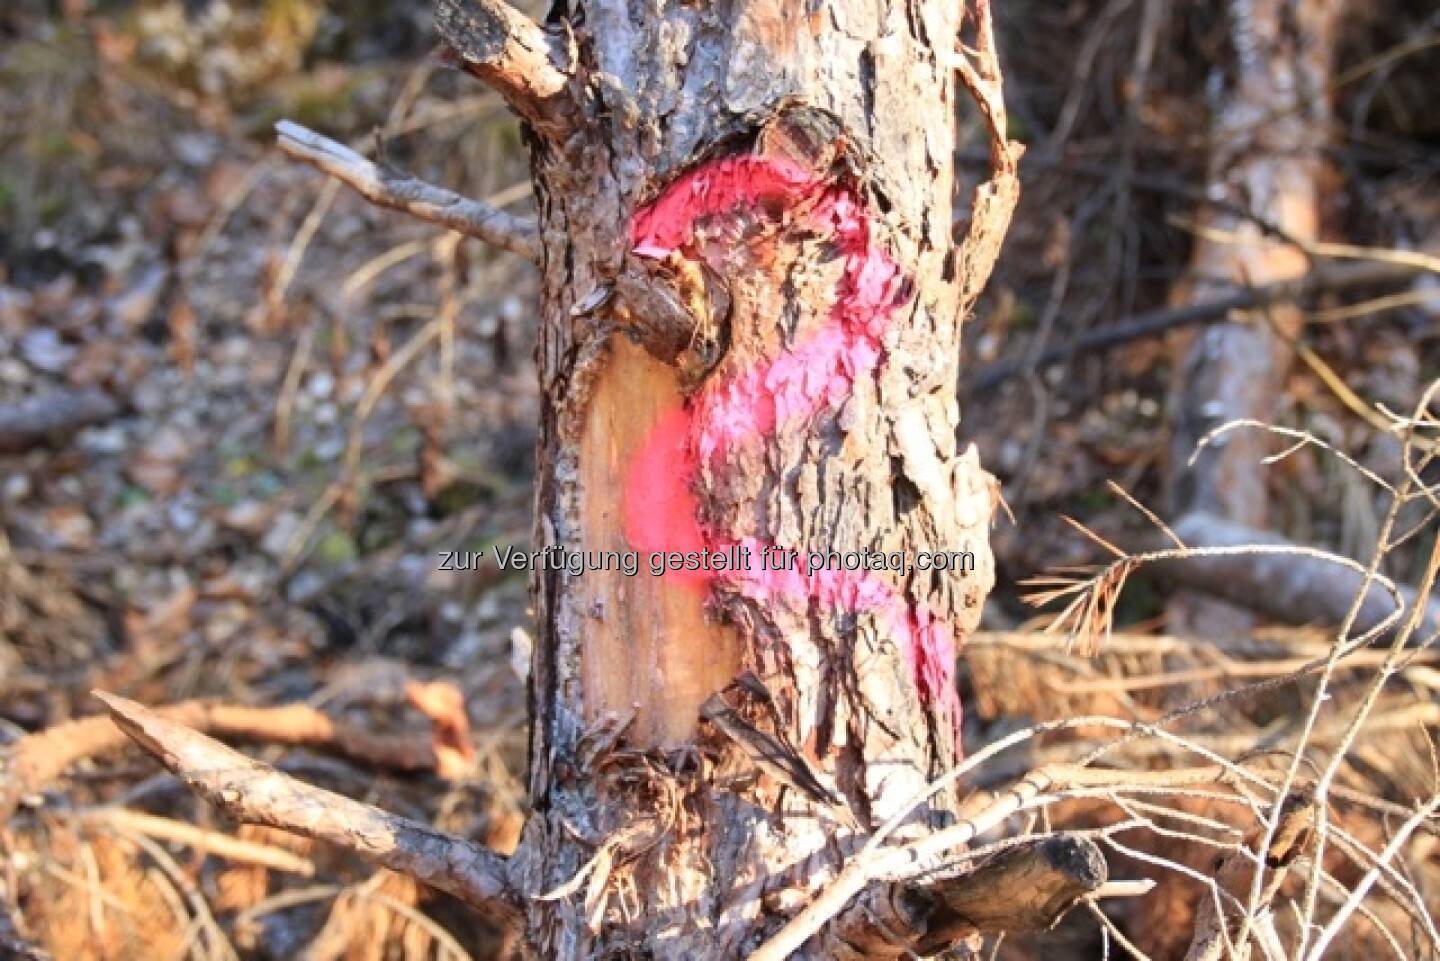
column 397, row 190
column 38, row 420
column 256, row 793
column 37, row 760
column 892, row 905
column 1288, row 587
column 1155, row 323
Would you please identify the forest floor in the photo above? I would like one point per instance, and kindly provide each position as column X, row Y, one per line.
column 291, row 403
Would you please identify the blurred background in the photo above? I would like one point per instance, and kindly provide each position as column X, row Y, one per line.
column 241, row 410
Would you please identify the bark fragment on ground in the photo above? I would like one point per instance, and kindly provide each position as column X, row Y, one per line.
column 55, row 415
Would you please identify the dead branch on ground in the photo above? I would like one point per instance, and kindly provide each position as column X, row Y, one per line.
column 37, row 420
column 256, row 793
column 36, row 761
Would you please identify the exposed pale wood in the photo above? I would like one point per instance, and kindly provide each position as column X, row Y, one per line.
column 649, row 647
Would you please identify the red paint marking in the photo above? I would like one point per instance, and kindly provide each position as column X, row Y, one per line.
column 817, row 373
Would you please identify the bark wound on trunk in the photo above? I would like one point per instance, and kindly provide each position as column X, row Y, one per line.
column 650, row 649
column 751, row 304
column 1265, row 157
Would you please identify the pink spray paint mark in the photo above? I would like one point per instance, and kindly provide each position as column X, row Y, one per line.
column 817, row 373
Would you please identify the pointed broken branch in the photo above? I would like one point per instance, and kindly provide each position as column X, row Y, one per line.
column 256, row 793
column 502, row 47
column 386, row 187
column 37, row 760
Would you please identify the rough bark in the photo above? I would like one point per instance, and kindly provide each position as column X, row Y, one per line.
column 1265, row 158
column 750, row 316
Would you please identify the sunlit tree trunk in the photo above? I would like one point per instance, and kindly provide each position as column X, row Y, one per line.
column 751, row 309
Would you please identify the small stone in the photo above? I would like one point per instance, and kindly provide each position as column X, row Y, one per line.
column 321, row 385
column 17, row 487
column 102, row 440
column 13, row 372
column 43, row 350
column 282, row 530
column 330, row 449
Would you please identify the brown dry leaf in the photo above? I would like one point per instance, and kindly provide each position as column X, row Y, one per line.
column 162, row 624
column 444, row 704
column 157, row 467
column 70, row 527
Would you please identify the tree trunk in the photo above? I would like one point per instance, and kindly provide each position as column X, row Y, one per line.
column 750, row 310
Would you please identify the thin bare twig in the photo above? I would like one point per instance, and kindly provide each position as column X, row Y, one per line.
column 397, row 190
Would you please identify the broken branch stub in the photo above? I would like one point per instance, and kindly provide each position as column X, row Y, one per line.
column 1027, row 888
column 503, row 48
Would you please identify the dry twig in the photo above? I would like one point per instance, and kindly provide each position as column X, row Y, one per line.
column 399, row 191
